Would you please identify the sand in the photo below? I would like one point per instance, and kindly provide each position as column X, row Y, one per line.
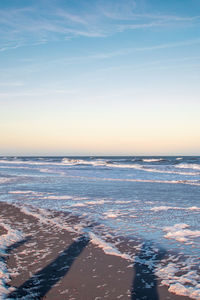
column 50, row 262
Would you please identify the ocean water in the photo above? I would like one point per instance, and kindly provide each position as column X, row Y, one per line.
column 152, row 200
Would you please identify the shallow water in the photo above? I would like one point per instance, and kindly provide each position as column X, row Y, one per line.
column 155, row 199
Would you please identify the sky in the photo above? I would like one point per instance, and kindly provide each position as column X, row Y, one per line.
column 99, row 77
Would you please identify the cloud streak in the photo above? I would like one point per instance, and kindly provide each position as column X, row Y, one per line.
column 103, row 19
column 127, row 51
column 36, row 92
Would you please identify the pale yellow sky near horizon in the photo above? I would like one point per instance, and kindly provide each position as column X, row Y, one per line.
column 116, row 128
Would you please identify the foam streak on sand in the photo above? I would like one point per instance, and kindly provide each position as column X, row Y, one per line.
column 10, row 237
column 107, row 247
column 45, row 217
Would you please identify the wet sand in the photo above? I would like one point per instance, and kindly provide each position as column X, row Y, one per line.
column 2, row 230
column 50, row 262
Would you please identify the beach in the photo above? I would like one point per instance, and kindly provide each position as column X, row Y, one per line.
column 108, row 227
column 51, row 262
column 99, row 150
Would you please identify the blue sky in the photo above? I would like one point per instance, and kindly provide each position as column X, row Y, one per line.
column 99, row 77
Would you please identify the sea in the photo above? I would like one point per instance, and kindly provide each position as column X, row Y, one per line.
column 152, row 202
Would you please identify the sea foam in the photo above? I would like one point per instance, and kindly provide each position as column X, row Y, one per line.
column 12, row 236
column 181, row 233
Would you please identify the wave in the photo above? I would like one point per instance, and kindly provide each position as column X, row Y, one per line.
column 147, row 169
column 21, row 192
column 153, row 159
column 69, row 161
column 188, row 166
column 120, row 163
column 154, row 170
column 97, row 162
column 5, row 180
column 161, row 208
column 190, row 182
column 22, row 162
column 64, row 161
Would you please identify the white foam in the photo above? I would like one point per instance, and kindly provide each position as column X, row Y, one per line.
column 107, row 247
column 160, row 208
column 64, row 197
column 181, row 233
column 180, row 289
column 98, row 202
column 75, row 205
column 44, row 163
column 190, row 182
column 122, row 202
column 4, row 180
column 105, row 163
column 153, row 170
column 69, row 161
column 112, row 214
column 183, row 285
column 194, row 208
column 79, row 198
column 18, row 162
column 54, row 197
column 72, row 162
column 152, row 159
column 188, row 166
column 32, row 193
column 45, row 217
column 21, row 192
column 12, row 236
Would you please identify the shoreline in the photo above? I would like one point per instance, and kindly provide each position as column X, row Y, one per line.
column 52, row 262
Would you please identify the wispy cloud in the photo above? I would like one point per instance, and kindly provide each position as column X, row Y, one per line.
column 7, row 47
column 101, row 19
column 126, row 51
column 36, row 24
column 184, row 62
column 124, row 27
column 132, row 16
column 71, row 17
column 11, row 84
column 36, row 93
column 133, row 10
column 171, row 45
column 112, row 54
